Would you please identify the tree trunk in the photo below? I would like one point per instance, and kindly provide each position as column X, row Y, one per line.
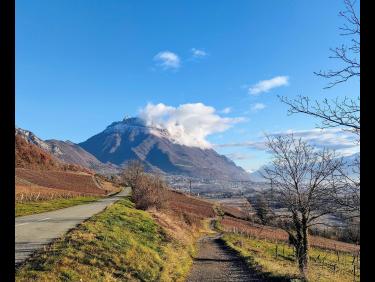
column 303, row 258
column 301, row 244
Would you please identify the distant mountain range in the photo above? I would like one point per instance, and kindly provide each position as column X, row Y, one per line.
column 110, row 150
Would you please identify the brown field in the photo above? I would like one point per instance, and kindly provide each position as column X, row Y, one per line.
column 236, row 207
column 180, row 202
column 67, row 181
column 266, row 232
column 234, row 211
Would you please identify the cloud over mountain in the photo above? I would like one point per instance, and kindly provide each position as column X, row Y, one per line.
column 187, row 124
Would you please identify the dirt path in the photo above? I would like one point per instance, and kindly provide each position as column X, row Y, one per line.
column 216, row 262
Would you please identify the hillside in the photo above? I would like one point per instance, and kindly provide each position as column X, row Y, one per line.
column 30, row 156
column 33, row 153
column 71, row 153
column 132, row 139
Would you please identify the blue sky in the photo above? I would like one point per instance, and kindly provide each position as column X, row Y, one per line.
column 80, row 65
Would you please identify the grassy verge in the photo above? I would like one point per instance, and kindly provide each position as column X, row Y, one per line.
column 325, row 265
column 119, row 244
column 34, row 207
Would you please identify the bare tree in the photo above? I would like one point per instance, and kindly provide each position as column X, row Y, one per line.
column 301, row 180
column 346, row 195
column 348, row 55
column 342, row 112
column 132, row 172
column 262, row 210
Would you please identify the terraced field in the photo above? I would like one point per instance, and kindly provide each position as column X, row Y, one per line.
column 181, row 202
column 67, row 181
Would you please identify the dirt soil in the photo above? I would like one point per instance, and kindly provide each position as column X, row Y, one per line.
column 216, row 262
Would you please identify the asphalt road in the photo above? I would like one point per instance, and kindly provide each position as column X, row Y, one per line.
column 35, row 231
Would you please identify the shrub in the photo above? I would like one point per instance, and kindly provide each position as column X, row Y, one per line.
column 148, row 191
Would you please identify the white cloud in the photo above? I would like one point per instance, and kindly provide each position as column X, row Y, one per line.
column 267, row 85
column 168, row 60
column 239, row 156
column 257, row 107
column 226, row 110
column 187, row 124
column 198, row 53
column 333, row 138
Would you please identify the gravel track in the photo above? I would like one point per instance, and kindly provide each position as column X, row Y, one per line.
column 216, row 262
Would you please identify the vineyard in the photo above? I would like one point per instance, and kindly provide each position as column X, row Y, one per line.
column 59, row 180
column 180, row 202
column 33, row 193
column 231, row 224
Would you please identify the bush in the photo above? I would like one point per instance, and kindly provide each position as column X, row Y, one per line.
column 148, row 191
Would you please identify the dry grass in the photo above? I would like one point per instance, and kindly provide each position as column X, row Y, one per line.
column 230, row 224
column 108, row 186
column 325, row 265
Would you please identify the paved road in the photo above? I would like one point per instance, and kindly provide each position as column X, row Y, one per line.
column 215, row 262
column 35, row 231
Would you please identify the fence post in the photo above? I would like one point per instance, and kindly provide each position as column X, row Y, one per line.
column 276, row 249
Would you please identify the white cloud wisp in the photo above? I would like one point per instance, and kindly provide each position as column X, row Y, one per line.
column 168, row 60
column 266, row 85
column 258, row 107
column 198, row 53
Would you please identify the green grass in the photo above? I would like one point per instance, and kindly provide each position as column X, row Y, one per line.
column 324, row 264
column 119, row 244
column 50, row 205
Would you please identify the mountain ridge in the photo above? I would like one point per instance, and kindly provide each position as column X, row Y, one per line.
column 132, row 138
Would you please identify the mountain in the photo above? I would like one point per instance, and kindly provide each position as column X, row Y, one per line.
column 131, row 138
column 65, row 152
column 71, row 153
column 256, row 175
